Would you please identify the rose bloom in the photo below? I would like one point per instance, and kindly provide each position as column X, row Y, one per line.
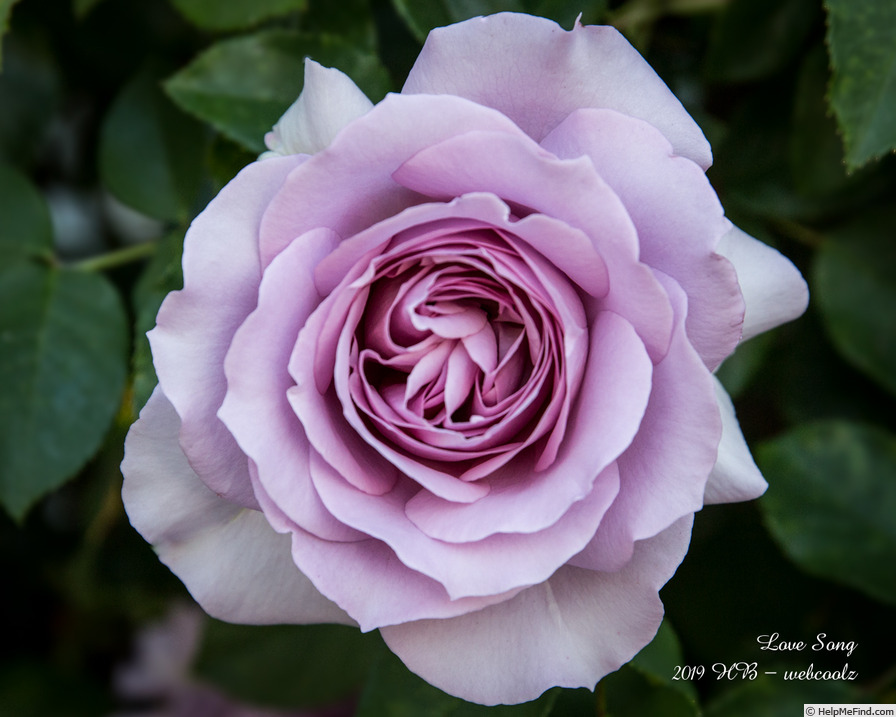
column 443, row 366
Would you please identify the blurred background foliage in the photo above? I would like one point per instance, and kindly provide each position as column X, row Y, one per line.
column 119, row 120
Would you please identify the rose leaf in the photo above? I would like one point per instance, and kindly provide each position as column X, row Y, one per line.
column 658, row 660
column 62, row 347
column 831, row 502
column 862, row 47
column 629, row 692
column 242, row 86
column 773, row 697
column 394, row 691
column 26, row 230
column 151, row 154
column 854, row 286
column 162, row 275
column 234, row 14
column 286, row 666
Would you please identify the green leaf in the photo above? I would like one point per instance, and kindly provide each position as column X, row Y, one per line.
column 289, row 666
column 234, row 14
column 816, row 153
column 162, row 275
column 349, row 19
column 831, row 502
column 394, row 691
column 243, row 85
column 773, row 697
column 862, row 46
column 62, row 350
column 854, row 284
column 631, row 693
column 25, row 226
column 657, row 661
column 151, row 154
column 423, row 16
column 755, row 38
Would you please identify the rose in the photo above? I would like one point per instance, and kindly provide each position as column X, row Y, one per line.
column 443, row 366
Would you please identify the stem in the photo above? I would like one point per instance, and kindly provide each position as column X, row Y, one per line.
column 116, row 257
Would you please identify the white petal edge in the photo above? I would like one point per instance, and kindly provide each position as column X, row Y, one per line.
column 231, row 560
column 734, row 477
column 328, row 102
column 773, row 288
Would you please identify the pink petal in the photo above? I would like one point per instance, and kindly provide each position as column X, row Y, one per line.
column 256, row 408
column 663, row 473
column 373, row 586
column 231, row 560
column 493, row 565
column 321, row 415
column 774, row 291
column 569, row 631
column 675, row 211
column 735, row 476
column 601, row 426
column 536, row 73
column 196, row 325
column 355, row 170
column 523, row 174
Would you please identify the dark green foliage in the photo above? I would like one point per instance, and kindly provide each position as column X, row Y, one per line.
column 159, row 103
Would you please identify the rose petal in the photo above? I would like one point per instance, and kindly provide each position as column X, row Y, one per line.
column 774, row 291
column 663, row 473
column 569, row 631
column 347, row 195
column 606, row 417
column 735, row 476
column 374, row 587
column 523, row 174
column 256, row 408
column 195, row 325
column 534, row 72
column 328, row 102
column 675, row 211
column 231, row 560
column 493, row 565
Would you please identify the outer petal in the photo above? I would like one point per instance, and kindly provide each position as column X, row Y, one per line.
column 735, row 476
column 675, row 211
column 374, row 586
column 328, row 102
column 526, row 176
column 256, row 409
column 664, row 472
column 774, row 291
column 569, row 631
column 536, row 73
column 348, row 187
column 234, row 564
column 195, row 326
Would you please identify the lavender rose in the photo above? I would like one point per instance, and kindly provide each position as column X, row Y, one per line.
column 442, row 366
